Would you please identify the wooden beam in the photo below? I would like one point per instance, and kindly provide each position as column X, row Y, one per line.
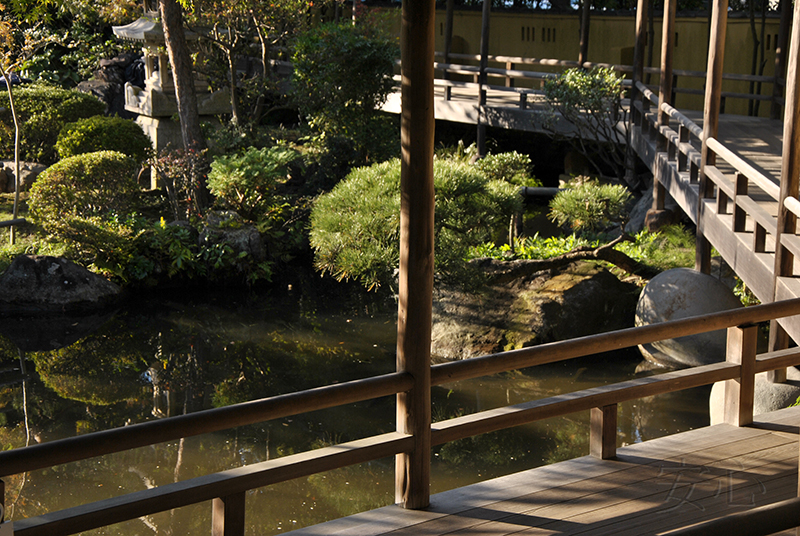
column 484, row 63
column 711, row 111
column 667, row 49
column 781, row 49
column 448, row 42
column 415, row 296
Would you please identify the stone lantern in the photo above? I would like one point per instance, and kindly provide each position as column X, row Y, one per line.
column 156, row 103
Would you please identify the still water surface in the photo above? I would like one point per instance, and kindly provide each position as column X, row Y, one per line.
column 170, row 355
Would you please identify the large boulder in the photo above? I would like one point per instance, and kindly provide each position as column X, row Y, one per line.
column 580, row 299
column 682, row 293
column 227, row 227
column 38, row 283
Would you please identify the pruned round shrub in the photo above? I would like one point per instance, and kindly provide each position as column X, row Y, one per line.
column 42, row 111
column 512, row 167
column 84, row 186
column 589, row 206
column 101, row 133
column 355, row 228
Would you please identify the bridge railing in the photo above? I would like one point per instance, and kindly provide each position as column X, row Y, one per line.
column 227, row 490
column 739, row 190
column 506, row 74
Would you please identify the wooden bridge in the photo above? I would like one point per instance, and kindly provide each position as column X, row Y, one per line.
column 735, row 478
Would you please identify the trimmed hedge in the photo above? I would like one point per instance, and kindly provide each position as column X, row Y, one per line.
column 83, row 186
column 43, row 111
column 101, row 133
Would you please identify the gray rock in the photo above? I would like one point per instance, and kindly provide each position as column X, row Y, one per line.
column 28, row 172
column 578, row 300
column 227, row 227
column 682, row 293
column 35, row 283
column 768, row 396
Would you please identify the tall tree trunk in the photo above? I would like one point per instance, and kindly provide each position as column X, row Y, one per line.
column 183, row 77
column 181, row 63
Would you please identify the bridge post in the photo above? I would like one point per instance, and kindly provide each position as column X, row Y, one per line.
column 711, row 111
column 448, row 44
column 414, row 309
column 227, row 515
column 780, row 57
column 603, row 432
column 583, row 53
column 738, row 393
column 635, row 118
column 481, row 138
column 789, row 186
column 667, row 48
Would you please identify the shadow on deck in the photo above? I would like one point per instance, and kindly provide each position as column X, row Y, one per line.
column 650, row 488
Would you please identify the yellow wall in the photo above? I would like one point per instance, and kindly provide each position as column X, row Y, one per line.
column 611, row 40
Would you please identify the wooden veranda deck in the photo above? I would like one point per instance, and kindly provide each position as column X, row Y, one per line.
column 651, row 488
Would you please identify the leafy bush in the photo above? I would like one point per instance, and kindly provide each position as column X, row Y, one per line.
column 101, row 133
column 591, row 102
column 341, row 76
column 43, row 111
column 248, row 183
column 512, row 167
column 355, row 228
column 82, row 187
column 588, row 206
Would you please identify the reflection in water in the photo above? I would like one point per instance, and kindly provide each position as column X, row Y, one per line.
column 170, row 357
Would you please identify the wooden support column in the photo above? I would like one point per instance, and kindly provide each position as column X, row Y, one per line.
column 711, row 111
column 603, row 432
column 738, row 393
column 781, row 50
column 635, row 118
column 227, row 515
column 487, row 10
column 667, row 48
column 412, row 469
column 448, row 43
column 583, row 53
column 789, row 185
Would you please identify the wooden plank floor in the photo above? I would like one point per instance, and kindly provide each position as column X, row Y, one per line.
column 652, row 487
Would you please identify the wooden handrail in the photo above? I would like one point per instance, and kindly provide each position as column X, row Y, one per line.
column 771, row 189
column 149, row 433
column 605, row 342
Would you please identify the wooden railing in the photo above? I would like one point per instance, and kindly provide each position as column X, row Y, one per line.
column 732, row 191
column 525, row 82
column 227, row 489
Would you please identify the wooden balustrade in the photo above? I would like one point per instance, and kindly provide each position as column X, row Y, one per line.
column 227, row 490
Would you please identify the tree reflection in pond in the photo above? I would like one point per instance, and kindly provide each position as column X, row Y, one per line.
column 174, row 355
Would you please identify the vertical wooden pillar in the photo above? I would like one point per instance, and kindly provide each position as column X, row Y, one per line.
column 412, row 469
column 738, row 393
column 635, row 118
column 781, row 49
column 448, row 43
column 711, row 111
column 667, row 48
column 487, row 9
column 603, row 432
column 227, row 515
column 583, row 54
column 790, row 183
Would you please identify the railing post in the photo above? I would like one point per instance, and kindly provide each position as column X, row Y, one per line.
column 227, row 515
column 711, row 111
column 603, row 432
column 741, row 350
column 780, row 57
column 415, row 281
column 665, row 87
column 683, row 137
column 739, row 214
column 509, row 80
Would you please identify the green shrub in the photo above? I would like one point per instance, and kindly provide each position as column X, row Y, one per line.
column 355, row 228
column 82, row 187
column 249, row 183
column 341, row 76
column 589, row 206
column 43, row 111
column 101, row 133
column 512, row 167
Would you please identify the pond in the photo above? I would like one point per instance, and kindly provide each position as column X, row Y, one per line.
column 171, row 354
